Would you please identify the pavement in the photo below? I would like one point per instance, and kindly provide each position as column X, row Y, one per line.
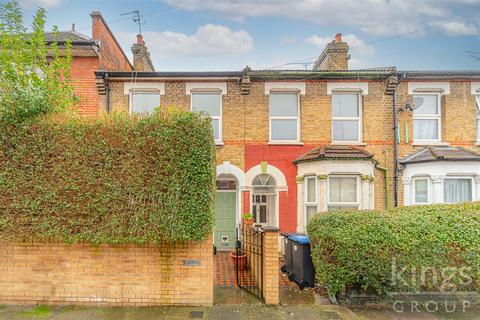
column 231, row 303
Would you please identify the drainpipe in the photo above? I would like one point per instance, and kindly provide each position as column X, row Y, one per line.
column 107, row 92
column 395, row 147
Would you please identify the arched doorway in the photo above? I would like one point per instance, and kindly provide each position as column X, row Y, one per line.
column 264, row 200
column 225, row 212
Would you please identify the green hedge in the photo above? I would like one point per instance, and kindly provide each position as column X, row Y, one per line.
column 365, row 248
column 115, row 180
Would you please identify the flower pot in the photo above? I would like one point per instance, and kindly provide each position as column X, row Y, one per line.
column 239, row 261
column 248, row 222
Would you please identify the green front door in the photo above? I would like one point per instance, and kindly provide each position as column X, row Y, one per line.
column 225, row 220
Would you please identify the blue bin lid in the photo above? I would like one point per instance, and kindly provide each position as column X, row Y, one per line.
column 300, row 238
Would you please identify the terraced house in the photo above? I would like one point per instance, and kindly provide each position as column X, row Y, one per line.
column 293, row 143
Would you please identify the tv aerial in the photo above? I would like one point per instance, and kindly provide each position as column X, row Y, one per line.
column 138, row 18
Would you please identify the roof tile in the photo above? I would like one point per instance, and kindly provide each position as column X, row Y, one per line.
column 332, row 152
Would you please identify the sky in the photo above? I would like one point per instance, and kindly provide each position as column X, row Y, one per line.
column 199, row 35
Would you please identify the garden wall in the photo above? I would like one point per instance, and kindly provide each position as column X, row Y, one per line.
column 178, row 273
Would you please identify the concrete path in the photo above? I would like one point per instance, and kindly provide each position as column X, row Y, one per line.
column 230, row 304
column 219, row 312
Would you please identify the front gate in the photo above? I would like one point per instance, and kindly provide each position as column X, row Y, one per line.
column 249, row 265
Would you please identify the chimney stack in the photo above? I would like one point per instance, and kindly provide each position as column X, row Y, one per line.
column 141, row 56
column 334, row 57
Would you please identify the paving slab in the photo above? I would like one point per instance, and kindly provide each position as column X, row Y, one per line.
column 235, row 296
column 289, row 296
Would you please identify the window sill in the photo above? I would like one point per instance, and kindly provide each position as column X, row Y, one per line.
column 289, row 143
column 430, row 143
column 348, row 143
column 219, row 143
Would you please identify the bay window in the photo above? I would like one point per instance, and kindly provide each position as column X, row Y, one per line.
column 210, row 103
column 144, row 102
column 346, row 117
column 343, row 193
column 427, row 118
column 284, row 117
column 310, row 197
column 457, row 190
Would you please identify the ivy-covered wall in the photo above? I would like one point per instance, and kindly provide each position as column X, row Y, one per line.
column 115, row 180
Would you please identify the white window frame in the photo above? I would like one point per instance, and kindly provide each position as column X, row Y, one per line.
column 453, row 177
column 437, row 117
column 306, row 203
column 340, row 204
column 143, row 91
column 297, row 140
column 477, row 106
column 429, row 190
column 218, row 141
column 359, row 118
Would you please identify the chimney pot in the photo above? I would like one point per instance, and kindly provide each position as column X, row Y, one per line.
column 139, row 39
column 338, row 37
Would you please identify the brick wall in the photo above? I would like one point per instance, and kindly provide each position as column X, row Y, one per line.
column 270, row 266
column 458, row 121
column 246, row 125
column 120, row 275
column 245, row 132
column 83, row 77
column 111, row 55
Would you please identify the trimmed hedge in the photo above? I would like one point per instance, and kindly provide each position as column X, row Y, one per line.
column 116, row 180
column 369, row 249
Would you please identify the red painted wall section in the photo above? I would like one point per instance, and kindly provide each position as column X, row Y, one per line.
column 83, row 78
column 246, row 202
column 280, row 157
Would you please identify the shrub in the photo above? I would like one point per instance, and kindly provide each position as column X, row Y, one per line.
column 114, row 180
column 34, row 77
column 370, row 249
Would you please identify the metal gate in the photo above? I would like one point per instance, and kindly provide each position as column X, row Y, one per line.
column 249, row 269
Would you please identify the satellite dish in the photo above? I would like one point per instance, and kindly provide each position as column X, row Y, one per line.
column 412, row 104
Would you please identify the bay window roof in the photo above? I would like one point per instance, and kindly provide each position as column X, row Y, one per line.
column 335, row 152
column 440, row 153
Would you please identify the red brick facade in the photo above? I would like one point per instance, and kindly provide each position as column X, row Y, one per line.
column 88, row 58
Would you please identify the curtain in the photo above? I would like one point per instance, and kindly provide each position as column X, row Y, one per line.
column 345, row 130
column 145, row 102
column 425, row 129
column 311, row 211
column 421, row 191
column 342, row 189
column 457, row 190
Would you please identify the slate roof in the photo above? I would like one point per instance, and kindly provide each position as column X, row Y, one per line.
column 440, row 153
column 335, row 152
column 64, row 35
